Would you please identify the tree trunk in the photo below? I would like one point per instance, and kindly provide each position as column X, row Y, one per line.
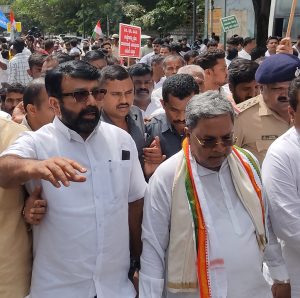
column 262, row 13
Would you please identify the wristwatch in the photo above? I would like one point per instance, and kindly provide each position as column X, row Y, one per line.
column 281, row 282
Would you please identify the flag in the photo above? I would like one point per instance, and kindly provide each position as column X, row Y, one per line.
column 13, row 26
column 98, row 30
column 3, row 20
column 12, row 20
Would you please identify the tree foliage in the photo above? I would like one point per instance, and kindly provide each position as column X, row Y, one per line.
column 56, row 16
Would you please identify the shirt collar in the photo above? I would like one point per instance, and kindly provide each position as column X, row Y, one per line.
column 202, row 171
column 166, row 125
column 130, row 118
column 71, row 134
column 263, row 108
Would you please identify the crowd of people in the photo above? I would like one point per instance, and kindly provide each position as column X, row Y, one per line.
column 172, row 175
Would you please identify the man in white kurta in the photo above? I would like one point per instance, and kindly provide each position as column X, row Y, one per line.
column 281, row 178
column 81, row 248
column 230, row 220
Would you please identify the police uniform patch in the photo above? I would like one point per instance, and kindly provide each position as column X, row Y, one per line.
column 248, row 104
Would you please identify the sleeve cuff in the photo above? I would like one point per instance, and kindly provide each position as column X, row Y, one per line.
column 279, row 272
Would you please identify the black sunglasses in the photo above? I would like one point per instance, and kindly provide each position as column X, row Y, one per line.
column 211, row 143
column 82, row 96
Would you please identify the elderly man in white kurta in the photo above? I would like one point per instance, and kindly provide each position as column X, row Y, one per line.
column 205, row 228
column 81, row 249
column 281, row 178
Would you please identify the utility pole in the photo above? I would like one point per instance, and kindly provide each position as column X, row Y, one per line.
column 212, row 7
column 83, row 15
column 107, row 25
column 194, row 19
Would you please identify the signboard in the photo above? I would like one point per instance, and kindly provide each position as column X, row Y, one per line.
column 5, row 8
column 129, row 41
column 18, row 27
column 229, row 23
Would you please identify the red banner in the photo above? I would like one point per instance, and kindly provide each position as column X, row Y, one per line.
column 129, row 41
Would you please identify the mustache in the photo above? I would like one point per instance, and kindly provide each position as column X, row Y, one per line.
column 282, row 98
column 179, row 121
column 142, row 90
column 88, row 110
column 123, row 105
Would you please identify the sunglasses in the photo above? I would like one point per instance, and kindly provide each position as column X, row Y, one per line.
column 81, row 96
column 211, row 143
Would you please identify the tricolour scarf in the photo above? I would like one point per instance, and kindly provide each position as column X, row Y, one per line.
column 194, row 262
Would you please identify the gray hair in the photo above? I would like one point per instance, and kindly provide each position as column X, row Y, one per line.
column 191, row 69
column 173, row 57
column 209, row 104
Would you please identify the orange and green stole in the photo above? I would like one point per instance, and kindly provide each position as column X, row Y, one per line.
column 188, row 259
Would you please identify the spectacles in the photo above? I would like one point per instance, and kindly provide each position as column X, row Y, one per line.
column 213, row 142
column 81, row 96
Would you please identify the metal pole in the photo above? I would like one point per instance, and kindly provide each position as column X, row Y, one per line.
column 206, row 18
column 194, row 19
column 83, row 15
column 107, row 25
column 211, row 16
column 225, row 15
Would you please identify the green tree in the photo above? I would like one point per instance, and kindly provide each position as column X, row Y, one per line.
column 56, row 16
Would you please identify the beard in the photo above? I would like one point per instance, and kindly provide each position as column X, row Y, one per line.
column 78, row 122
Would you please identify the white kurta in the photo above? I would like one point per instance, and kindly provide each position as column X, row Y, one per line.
column 81, row 248
column 232, row 224
column 281, row 178
column 243, row 54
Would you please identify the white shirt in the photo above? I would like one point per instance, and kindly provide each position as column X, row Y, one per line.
column 281, row 177
column 4, row 72
column 74, row 50
column 244, row 54
column 26, row 51
column 4, row 115
column 147, row 58
column 233, row 226
column 295, row 47
column 159, row 83
column 154, row 107
column 81, row 248
column 17, row 70
column 227, row 62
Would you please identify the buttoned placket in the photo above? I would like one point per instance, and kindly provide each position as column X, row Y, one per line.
column 99, row 192
column 96, row 175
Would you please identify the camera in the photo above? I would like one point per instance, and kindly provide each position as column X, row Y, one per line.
column 34, row 31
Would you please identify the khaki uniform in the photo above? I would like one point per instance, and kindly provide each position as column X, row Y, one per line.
column 256, row 126
column 15, row 240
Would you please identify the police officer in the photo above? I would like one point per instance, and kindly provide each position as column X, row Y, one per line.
column 265, row 117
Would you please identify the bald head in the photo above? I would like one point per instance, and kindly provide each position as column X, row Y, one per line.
column 196, row 72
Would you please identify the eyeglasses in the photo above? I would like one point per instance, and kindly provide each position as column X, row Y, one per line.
column 213, row 142
column 81, row 96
